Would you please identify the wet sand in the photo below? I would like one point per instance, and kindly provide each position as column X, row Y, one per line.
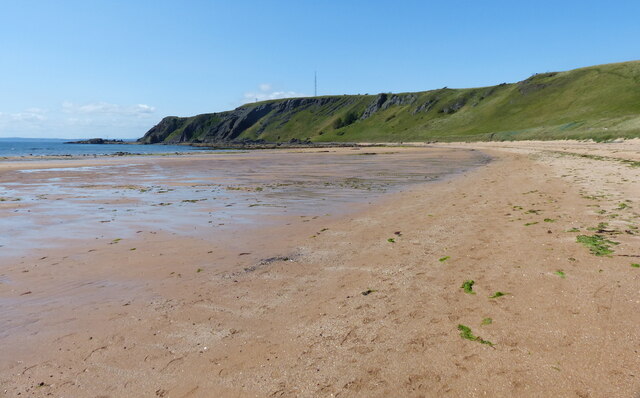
column 364, row 302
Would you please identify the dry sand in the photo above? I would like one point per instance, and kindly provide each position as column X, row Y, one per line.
column 299, row 325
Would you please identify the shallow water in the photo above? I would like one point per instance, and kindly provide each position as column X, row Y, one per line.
column 201, row 195
column 58, row 147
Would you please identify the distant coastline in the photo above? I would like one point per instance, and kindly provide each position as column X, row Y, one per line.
column 48, row 147
column 100, row 141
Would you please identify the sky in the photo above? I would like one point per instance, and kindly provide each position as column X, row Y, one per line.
column 115, row 68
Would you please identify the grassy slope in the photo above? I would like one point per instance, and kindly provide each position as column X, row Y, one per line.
column 599, row 102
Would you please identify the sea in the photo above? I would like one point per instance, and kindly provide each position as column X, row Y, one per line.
column 16, row 147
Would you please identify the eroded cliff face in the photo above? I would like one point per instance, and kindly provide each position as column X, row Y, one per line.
column 229, row 126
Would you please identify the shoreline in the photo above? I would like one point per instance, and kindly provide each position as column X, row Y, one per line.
column 300, row 323
column 585, row 145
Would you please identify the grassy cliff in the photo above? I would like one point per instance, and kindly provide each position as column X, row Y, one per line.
column 600, row 102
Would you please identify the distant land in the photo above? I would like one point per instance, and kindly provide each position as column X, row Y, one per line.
column 98, row 141
column 598, row 102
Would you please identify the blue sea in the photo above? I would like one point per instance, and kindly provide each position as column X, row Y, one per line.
column 53, row 147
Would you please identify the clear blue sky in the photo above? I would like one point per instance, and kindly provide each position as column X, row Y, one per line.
column 114, row 68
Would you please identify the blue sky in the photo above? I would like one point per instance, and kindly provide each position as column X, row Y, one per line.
column 115, row 68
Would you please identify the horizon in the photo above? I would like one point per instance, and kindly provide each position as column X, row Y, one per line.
column 114, row 71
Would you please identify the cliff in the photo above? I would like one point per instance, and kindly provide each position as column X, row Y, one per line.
column 599, row 102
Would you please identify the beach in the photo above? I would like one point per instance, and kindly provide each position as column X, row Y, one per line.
column 389, row 290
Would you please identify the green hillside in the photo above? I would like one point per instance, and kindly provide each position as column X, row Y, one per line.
column 600, row 102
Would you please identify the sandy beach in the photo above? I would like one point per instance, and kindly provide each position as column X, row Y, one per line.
column 365, row 299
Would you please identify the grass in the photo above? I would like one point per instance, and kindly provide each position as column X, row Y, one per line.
column 600, row 102
column 466, row 333
column 597, row 244
column 573, row 230
column 635, row 265
column 468, row 286
column 549, row 220
column 487, row 321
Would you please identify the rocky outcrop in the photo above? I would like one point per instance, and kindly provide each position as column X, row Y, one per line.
column 375, row 106
column 385, row 101
column 162, row 130
column 97, row 141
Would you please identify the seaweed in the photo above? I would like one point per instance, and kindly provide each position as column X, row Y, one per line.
column 468, row 286
column 466, row 333
column 597, row 244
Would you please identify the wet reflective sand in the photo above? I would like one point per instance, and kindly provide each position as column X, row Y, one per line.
column 200, row 194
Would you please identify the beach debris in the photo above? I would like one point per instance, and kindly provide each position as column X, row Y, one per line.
column 561, row 274
column 466, row 333
column 267, row 261
column 498, row 294
column 443, row 259
column 391, row 240
column 468, row 286
column 597, row 244
column 368, row 292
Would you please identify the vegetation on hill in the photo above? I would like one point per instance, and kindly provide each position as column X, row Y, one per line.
column 599, row 102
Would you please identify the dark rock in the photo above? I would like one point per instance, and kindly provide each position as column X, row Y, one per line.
column 97, row 141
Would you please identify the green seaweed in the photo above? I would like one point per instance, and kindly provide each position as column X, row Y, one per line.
column 468, row 286
column 466, row 333
column 597, row 244
column 498, row 294
column 561, row 274
column 443, row 259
